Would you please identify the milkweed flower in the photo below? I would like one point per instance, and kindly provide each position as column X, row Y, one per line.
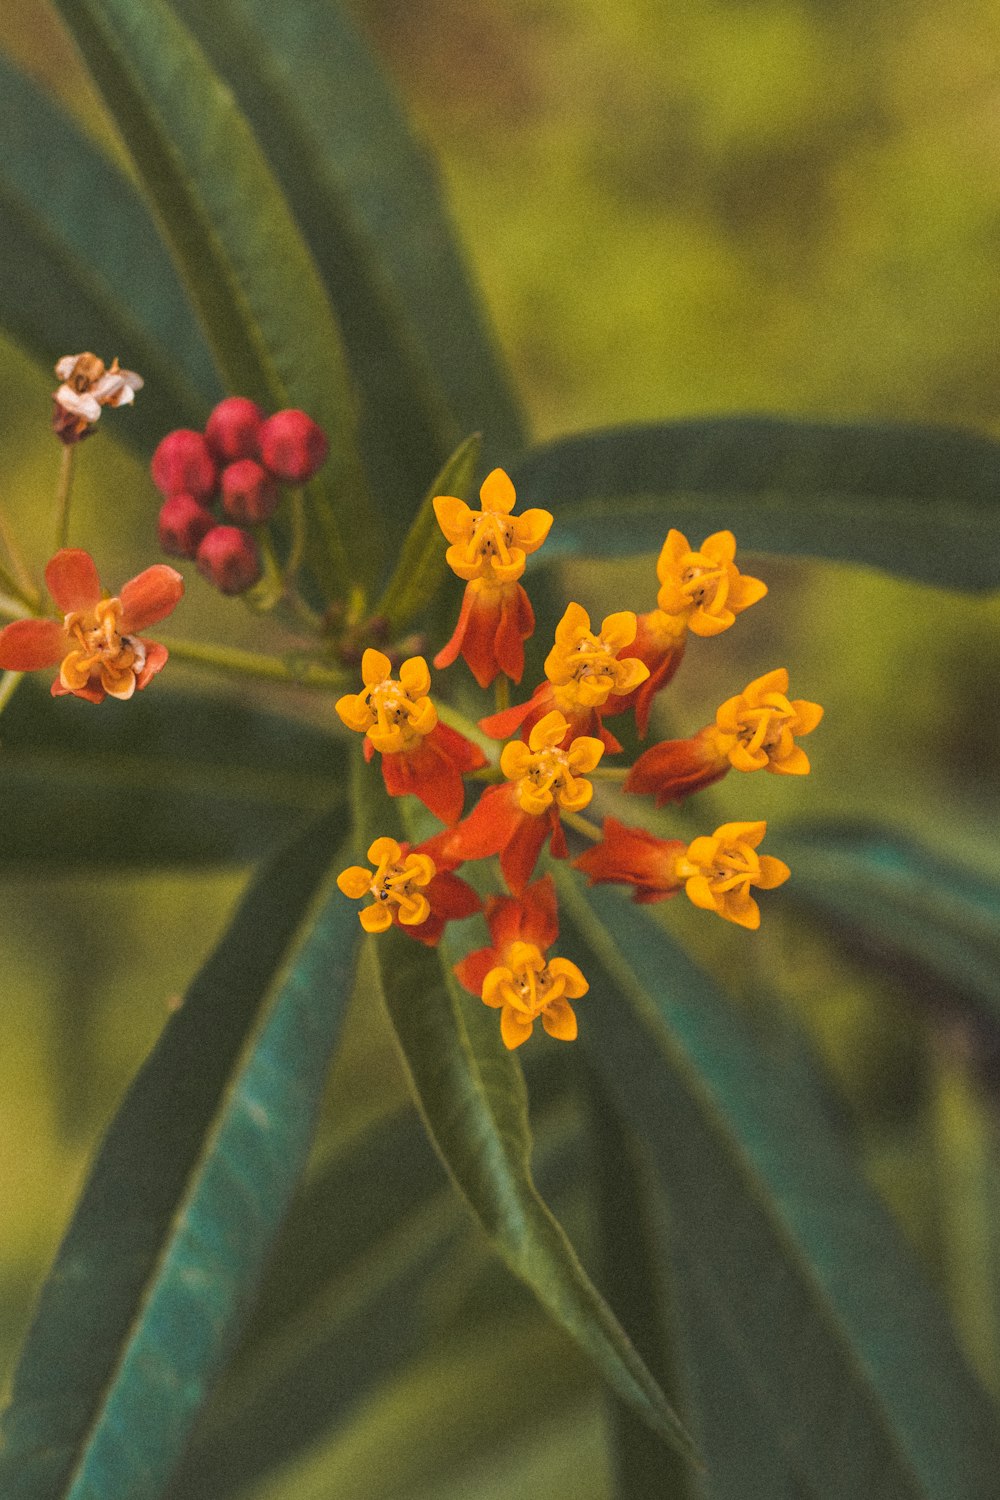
column 513, row 976
column 97, row 643
column 700, row 591
column 583, row 670
column 632, row 856
column 87, row 386
column 753, row 731
column 488, row 549
column 719, row 870
column 409, row 888
column 514, row 820
column 419, row 754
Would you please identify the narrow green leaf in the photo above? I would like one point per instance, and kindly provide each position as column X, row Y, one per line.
column 632, row 1275
column 915, row 501
column 471, row 1092
column 76, row 792
column 850, row 1361
column 369, row 202
column 421, row 568
column 84, row 266
column 889, row 898
column 185, row 1199
column 237, row 247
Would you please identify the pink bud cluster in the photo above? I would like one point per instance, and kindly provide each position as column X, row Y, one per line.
column 242, row 459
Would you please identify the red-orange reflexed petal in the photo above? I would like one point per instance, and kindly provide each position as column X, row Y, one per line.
column 490, row 824
column 519, row 855
column 539, row 914
column 433, row 770
column 27, row 645
column 452, row 898
column 91, row 691
column 73, row 581
column 517, row 624
column 662, row 654
column 523, row 716
column 473, row 969
column 632, row 856
column 450, row 651
column 674, row 769
column 150, row 597
column 156, row 660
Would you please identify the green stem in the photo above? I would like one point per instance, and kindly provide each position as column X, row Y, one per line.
column 501, row 693
column 609, row 773
column 26, row 584
column 240, row 663
column 64, row 491
column 8, row 686
column 582, row 825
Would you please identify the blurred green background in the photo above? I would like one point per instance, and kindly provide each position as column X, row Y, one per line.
column 672, row 210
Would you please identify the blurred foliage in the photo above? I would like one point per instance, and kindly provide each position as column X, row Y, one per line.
column 717, row 207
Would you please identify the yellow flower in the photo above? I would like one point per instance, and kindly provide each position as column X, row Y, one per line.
column 584, row 668
column 491, row 543
column 526, row 987
column 395, row 884
column 546, row 774
column 757, row 729
column 395, row 715
column 719, row 871
column 704, row 587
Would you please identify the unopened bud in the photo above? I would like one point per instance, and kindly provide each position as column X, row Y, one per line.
column 183, row 464
column 229, row 559
column 292, row 446
column 249, row 493
column 233, row 428
column 182, row 525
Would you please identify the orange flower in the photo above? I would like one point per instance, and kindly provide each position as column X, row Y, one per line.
column 631, row 856
column 699, row 591
column 513, row 975
column 97, row 644
column 582, row 672
column 754, row 731
column 397, row 718
column 514, row 820
column 410, row 889
column 488, row 549
column 718, row 872
column 704, row 588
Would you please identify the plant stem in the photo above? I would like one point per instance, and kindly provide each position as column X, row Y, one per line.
column 8, row 686
column 240, row 663
column 501, row 692
column 64, row 490
column 609, row 773
column 582, row 825
column 26, row 584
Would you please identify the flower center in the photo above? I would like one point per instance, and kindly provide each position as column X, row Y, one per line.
column 394, row 885
column 491, row 537
column 531, row 986
column 761, row 728
column 101, row 650
column 704, row 585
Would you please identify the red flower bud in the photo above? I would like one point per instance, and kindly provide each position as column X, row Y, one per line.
column 228, row 557
column 182, row 524
column 232, row 429
column 292, row 446
column 183, row 464
column 249, row 493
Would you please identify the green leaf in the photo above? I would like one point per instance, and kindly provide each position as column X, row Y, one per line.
column 185, row 1199
column 239, row 251
column 84, row 266
column 846, row 1357
column 633, row 1277
column 368, row 200
column 78, row 792
column 892, row 900
column 920, row 502
column 421, row 568
column 471, row 1092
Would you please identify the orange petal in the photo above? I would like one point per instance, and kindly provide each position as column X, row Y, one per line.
column 559, row 1020
column 27, row 645
column 513, row 1028
column 156, row 660
column 72, row 580
column 497, row 492
column 149, row 597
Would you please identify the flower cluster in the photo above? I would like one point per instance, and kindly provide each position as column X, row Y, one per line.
column 539, row 786
column 242, row 459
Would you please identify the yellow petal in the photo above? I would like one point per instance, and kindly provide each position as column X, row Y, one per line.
column 574, row 624
column 771, row 682
column 704, row 624
column 375, row 668
column 414, row 677
column 575, row 984
column 740, row 833
column 673, row 550
column 375, row 918
column 497, row 492
column 559, row 1020
column 515, row 760
column 629, row 673
column 531, row 528
column 744, row 591
column 744, row 912
column 618, row 630
column 355, row 881
column 742, row 759
column 418, row 912
column 514, row 1028
column 454, row 517
column 807, row 715
column 574, row 795
column 548, row 732
column 795, row 763
column 354, row 711
column 772, row 872
column 700, row 892
column 493, row 985
column 720, row 547
column 584, row 753
column 420, row 868
column 385, row 849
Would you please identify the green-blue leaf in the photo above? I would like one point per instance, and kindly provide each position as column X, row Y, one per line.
column 920, row 502
column 183, row 1203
